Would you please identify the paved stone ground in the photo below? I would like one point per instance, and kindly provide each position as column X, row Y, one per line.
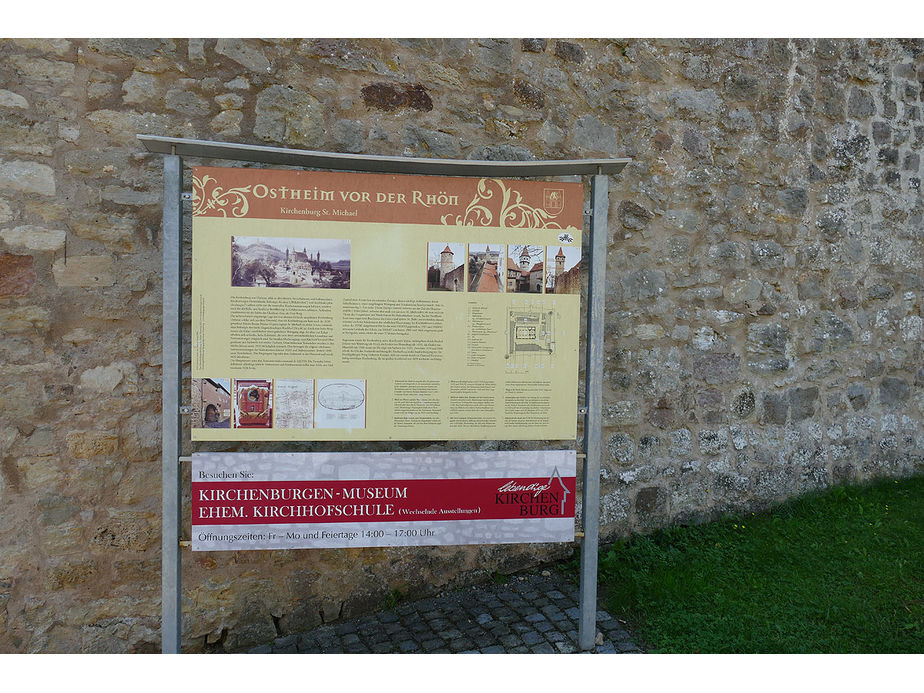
column 530, row 613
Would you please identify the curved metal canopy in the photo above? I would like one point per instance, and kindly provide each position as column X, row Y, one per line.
column 377, row 164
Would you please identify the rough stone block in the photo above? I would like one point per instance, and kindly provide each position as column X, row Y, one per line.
column 533, row 45
column 716, row 368
column 9, row 99
column 860, row 104
column 17, row 275
column 775, row 409
column 633, row 216
column 893, row 392
column 622, row 413
column 69, row 573
column 662, row 416
column 56, row 73
column 389, row 96
column 742, row 291
column 696, row 143
column 650, row 500
column 743, row 404
column 569, row 52
column 85, row 271
column 24, row 319
column 644, row 284
column 591, row 134
column 186, row 102
column 713, row 442
column 704, row 102
column 767, row 254
column 802, row 403
column 528, row 95
column 124, row 127
column 33, row 238
column 794, row 200
column 129, row 531
column 728, row 255
column 27, row 177
column 227, row 123
column 810, row 286
column 115, row 231
column 245, row 52
column 140, row 87
column 87, row 444
column 437, row 143
column 649, row 331
column 620, row 447
column 107, row 378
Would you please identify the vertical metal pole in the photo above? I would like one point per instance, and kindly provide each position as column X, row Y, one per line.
column 172, row 334
column 593, row 427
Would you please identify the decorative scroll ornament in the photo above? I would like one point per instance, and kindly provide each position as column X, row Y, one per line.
column 512, row 213
column 209, row 197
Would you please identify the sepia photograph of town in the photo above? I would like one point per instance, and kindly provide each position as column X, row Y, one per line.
column 303, row 263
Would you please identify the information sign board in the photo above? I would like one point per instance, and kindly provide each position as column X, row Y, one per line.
column 244, row 501
column 344, row 306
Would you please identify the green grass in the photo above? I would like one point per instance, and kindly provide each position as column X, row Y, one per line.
column 835, row 572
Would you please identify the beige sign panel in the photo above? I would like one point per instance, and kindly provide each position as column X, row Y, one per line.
column 335, row 306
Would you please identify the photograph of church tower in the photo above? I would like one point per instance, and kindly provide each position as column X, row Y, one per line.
column 445, row 266
column 563, row 275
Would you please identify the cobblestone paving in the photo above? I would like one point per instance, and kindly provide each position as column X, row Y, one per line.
column 531, row 613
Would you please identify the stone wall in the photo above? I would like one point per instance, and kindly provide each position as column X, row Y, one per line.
column 764, row 311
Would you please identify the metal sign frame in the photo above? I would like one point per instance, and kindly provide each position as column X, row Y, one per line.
column 174, row 149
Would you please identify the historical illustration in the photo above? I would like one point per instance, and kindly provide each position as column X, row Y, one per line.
column 303, row 263
column 253, row 404
column 294, row 403
column 341, row 404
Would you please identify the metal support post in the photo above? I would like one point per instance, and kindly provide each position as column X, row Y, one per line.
column 593, row 431
column 172, row 333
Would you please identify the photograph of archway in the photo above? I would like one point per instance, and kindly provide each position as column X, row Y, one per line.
column 211, row 403
column 302, row 263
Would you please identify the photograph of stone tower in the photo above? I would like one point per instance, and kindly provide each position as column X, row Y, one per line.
column 563, row 270
column 525, row 268
column 445, row 266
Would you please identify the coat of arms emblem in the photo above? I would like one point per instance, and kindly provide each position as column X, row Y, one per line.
column 553, row 200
